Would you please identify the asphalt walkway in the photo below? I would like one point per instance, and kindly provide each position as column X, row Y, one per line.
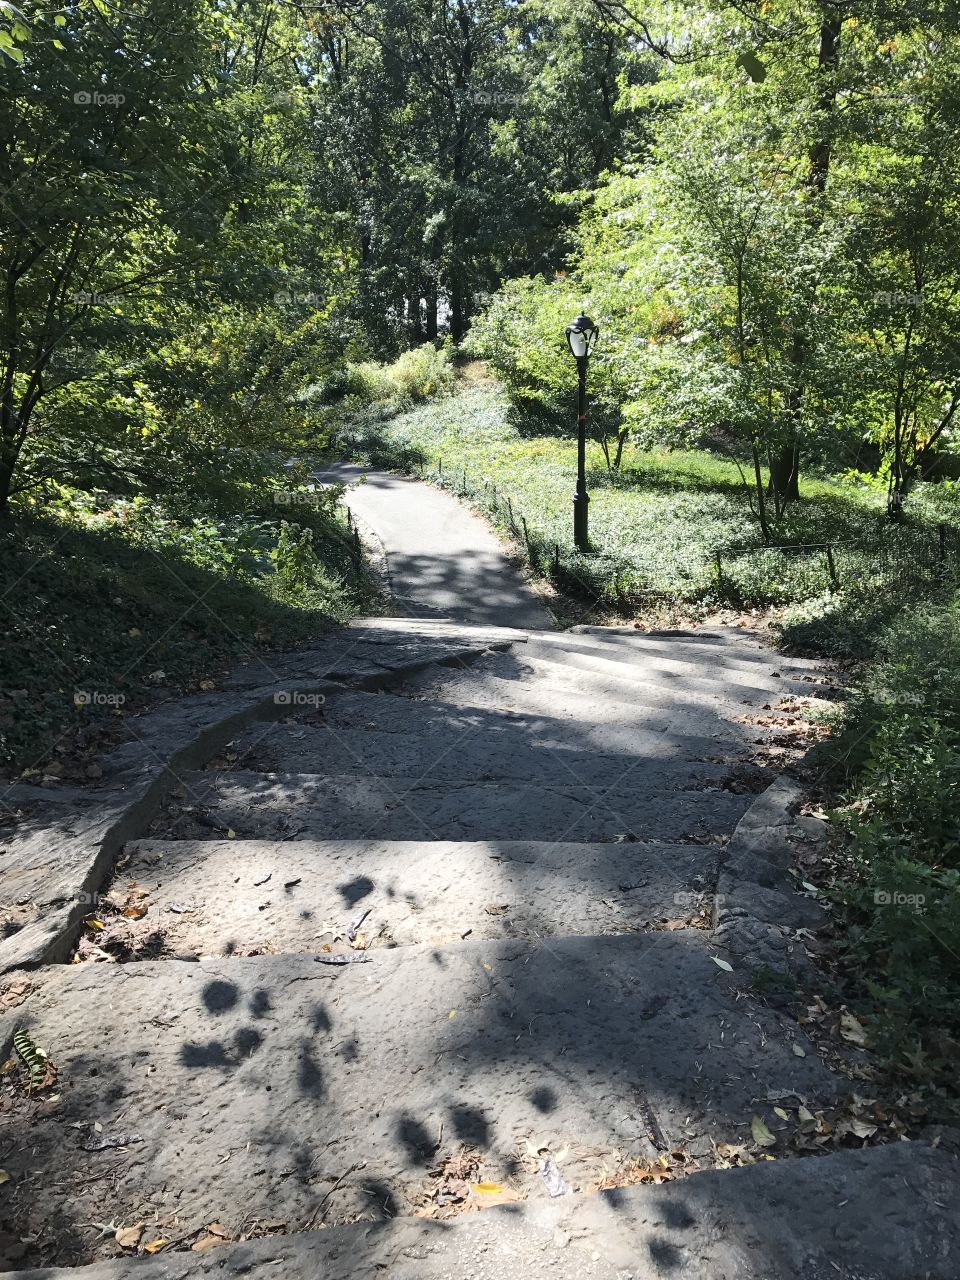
column 443, row 561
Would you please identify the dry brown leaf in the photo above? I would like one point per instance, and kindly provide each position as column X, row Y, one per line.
column 154, row 1246
column 218, row 1229
column 206, row 1242
column 129, row 1237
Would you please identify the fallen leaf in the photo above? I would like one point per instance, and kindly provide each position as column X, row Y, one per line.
column 218, row 1229
column 727, row 968
column 859, row 1128
column 4, row 1176
column 451, row 1014
column 231, row 834
column 154, row 1246
column 136, row 911
column 206, row 1242
column 779, row 1111
column 129, row 1237
column 93, row 923
column 487, row 1188
column 852, row 1029
column 801, row 1053
column 761, row 1134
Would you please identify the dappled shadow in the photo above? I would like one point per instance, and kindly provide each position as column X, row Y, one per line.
column 443, row 561
column 278, row 1088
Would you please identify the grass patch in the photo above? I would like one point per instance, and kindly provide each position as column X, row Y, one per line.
column 668, row 526
column 111, row 604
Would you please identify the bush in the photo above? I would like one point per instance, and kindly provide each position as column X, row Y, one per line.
column 418, row 375
column 129, row 599
column 899, row 749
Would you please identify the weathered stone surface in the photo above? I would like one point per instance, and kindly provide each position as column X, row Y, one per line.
column 886, row 1214
column 503, row 750
column 259, row 1085
column 364, row 806
column 62, row 843
column 215, row 897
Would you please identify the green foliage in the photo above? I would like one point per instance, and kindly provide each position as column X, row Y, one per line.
column 414, row 377
column 102, row 594
column 899, row 748
column 656, row 525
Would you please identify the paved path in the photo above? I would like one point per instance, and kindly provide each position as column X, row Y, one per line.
column 443, row 560
column 498, row 928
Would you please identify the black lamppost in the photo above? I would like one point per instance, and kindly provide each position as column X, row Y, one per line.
column 582, row 337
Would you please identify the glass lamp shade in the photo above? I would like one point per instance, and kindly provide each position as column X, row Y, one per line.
column 582, row 336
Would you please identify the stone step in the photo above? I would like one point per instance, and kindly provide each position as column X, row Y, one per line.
column 363, row 806
column 685, row 668
column 734, row 639
column 659, row 732
column 519, row 680
column 457, row 754
column 238, row 896
column 281, row 1089
column 885, row 1213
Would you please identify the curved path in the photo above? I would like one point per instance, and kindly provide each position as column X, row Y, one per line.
column 443, row 561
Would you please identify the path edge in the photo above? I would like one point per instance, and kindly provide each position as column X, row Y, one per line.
column 89, row 829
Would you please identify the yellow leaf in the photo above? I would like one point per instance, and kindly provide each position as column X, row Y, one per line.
column 134, row 631
column 154, row 1246
column 452, row 1014
column 93, row 923
column 7, row 1066
column 231, row 834
column 761, row 1134
column 487, row 1188
column 4, row 1176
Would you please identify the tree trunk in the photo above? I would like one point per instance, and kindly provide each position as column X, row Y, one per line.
column 458, row 311
column 621, row 441
column 761, row 500
column 414, row 319
column 431, row 317
column 7, row 465
column 785, row 473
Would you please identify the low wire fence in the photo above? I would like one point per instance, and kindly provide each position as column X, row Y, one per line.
column 912, row 558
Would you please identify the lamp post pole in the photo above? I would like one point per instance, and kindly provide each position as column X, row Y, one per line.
column 582, row 337
column 581, row 499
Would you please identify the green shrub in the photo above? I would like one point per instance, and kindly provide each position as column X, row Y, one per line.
column 899, row 749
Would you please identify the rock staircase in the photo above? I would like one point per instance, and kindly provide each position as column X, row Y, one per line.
column 422, row 983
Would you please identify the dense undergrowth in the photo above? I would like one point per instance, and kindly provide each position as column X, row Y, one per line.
column 112, row 603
